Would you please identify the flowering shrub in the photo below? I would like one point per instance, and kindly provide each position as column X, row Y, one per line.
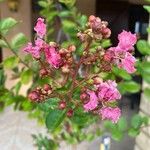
column 75, row 82
column 97, row 95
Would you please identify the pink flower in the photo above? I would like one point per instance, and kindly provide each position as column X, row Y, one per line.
column 126, row 40
column 40, row 27
column 128, row 63
column 53, row 57
column 107, row 91
column 39, row 43
column 109, row 113
column 34, row 51
column 93, row 102
column 121, row 58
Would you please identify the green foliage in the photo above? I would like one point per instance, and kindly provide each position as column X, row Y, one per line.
column 147, row 93
column 18, row 41
column 68, row 3
column 121, row 73
column 26, row 76
column 82, row 119
column 147, row 8
column 129, row 87
column 7, row 24
column 136, row 121
column 3, row 44
column 143, row 47
column 54, row 119
column 11, row 62
column 51, row 103
column 43, row 142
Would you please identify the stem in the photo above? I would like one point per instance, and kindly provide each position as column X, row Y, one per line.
column 77, row 69
column 9, row 46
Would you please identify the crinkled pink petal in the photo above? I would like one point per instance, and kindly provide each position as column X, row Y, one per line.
column 93, row 102
column 53, row 57
column 33, row 50
column 128, row 63
column 40, row 27
column 107, row 91
column 39, row 43
column 110, row 113
column 126, row 40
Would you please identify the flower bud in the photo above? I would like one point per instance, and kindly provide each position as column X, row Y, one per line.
column 47, row 87
column 70, row 113
column 65, row 68
column 43, row 72
column 34, row 96
column 92, row 18
column 106, row 33
column 97, row 80
column 53, row 44
column 62, row 105
column 83, row 96
column 72, row 48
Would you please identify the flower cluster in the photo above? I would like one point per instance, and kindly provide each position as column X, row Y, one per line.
column 97, row 30
column 99, row 97
column 121, row 55
column 55, row 57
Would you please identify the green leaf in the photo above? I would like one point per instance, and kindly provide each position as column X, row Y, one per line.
column 7, row 24
column 106, row 43
column 82, row 21
column 143, row 47
column 145, row 67
column 117, row 135
column 129, row 86
column 69, row 26
column 17, row 87
column 146, row 77
column 11, row 62
column 18, row 41
column 51, row 103
column 43, row 4
column 26, row 76
column 147, row 8
column 54, row 119
column 121, row 73
column 122, row 124
column 133, row 132
column 109, row 125
column 65, row 13
column 68, row 3
column 147, row 93
column 136, row 121
column 3, row 44
column 148, row 29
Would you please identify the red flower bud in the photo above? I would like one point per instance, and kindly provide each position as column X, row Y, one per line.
column 70, row 113
column 62, row 105
column 83, row 96
column 97, row 80
column 72, row 48
column 34, row 96
column 92, row 18
column 47, row 87
column 43, row 72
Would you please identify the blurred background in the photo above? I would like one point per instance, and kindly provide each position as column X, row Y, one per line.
column 15, row 128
